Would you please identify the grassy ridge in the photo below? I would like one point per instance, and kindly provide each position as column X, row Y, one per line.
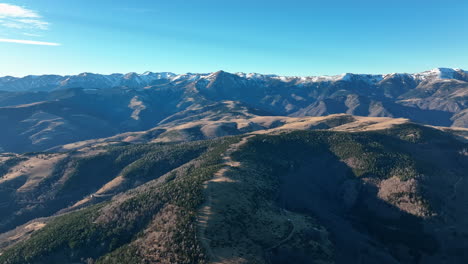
column 11, row 162
column 185, row 193
column 77, row 176
column 80, row 236
column 163, row 215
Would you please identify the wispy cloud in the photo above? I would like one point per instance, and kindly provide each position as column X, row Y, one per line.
column 16, row 11
column 17, row 17
column 32, row 35
column 23, row 21
column 29, row 42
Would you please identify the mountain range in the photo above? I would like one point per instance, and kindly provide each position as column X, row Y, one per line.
column 134, row 80
column 42, row 112
column 234, row 168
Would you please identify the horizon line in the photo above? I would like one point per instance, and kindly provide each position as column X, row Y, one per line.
column 264, row 74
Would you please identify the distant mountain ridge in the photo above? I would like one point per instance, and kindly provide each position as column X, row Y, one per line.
column 88, row 80
column 43, row 112
column 235, row 168
column 135, row 80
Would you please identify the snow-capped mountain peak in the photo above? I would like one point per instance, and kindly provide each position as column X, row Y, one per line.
column 440, row 73
column 135, row 80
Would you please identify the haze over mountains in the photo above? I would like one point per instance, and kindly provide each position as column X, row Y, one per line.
column 42, row 112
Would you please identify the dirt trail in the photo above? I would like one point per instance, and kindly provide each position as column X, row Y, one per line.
column 220, row 176
column 455, row 188
column 289, row 236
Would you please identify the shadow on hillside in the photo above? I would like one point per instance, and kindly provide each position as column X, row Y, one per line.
column 362, row 225
column 313, row 181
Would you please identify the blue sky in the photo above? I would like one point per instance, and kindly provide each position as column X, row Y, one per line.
column 315, row 37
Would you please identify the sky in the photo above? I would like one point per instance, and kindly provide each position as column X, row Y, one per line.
column 294, row 37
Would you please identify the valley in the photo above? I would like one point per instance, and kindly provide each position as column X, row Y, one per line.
column 45, row 114
column 189, row 171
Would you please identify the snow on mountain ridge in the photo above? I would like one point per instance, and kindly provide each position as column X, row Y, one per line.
column 132, row 79
column 439, row 73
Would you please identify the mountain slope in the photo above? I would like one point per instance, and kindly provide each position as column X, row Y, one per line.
column 79, row 114
column 379, row 190
column 42, row 112
column 111, row 104
column 234, row 168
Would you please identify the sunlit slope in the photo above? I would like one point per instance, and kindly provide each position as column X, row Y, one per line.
column 393, row 195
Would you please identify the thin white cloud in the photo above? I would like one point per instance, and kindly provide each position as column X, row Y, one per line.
column 17, row 17
column 35, row 23
column 30, row 42
column 32, row 35
column 7, row 10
